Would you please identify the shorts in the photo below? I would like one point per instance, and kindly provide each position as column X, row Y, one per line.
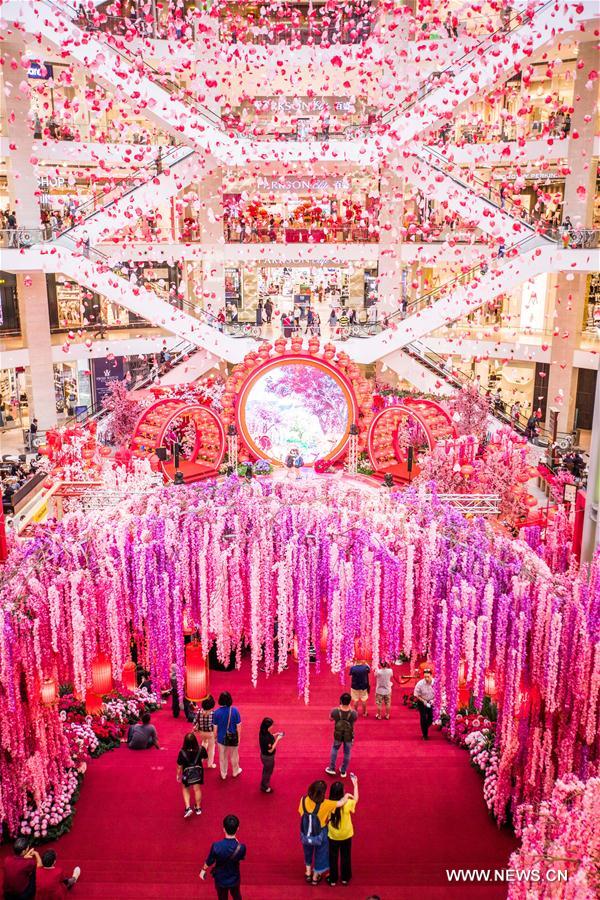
column 359, row 695
column 384, row 699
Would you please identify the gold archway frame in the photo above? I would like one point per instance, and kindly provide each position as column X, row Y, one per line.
column 298, row 360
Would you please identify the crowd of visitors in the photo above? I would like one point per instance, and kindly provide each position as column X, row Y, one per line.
column 14, row 476
column 326, row 815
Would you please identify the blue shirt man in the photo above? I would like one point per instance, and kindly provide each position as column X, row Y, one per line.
column 225, row 855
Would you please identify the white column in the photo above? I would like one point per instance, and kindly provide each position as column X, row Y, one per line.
column 579, row 206
column 31, row 289
column 390, row 224
column 211, row 235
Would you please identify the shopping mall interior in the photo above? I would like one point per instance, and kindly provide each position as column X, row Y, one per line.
column 299, row 449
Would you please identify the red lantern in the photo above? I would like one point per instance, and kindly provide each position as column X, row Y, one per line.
column 489, row 684
column 362, row 651
column 128, row 676
column 104, row 451
column 426, row 665
column 101, row 675
column 188, row 625
column 324, row 634
column 196, row 673
column 48, row 692
column 467, row 470
column 93, row 703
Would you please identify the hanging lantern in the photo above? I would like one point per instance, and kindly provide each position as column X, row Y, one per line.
column 362, row 651
column 462, row 672
column 489, row 684
column 523, row 704
column 426, row 665
column 466, row 471
column 128, row 675
column 48, row 691
column 324, row 634
column 196, row 673
column 93, row 703
column 188, row 625
column 101, row 675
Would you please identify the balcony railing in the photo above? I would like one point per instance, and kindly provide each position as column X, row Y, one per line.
column 312, row 234
column 17, row 238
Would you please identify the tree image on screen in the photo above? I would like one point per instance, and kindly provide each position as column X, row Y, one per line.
column 296, row 405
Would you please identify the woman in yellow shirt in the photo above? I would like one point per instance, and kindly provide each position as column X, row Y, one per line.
column 340, row 831
column 315, row 811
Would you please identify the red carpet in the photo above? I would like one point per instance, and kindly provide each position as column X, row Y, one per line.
column 421, row 808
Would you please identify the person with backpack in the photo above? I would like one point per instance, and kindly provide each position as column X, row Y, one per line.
column 190, row 772
column 340, row 832
column 315, row 812
column 226, row 855
column 344, row 718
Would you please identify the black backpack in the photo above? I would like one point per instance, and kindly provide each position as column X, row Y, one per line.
column 310, row 825
column 344, row 729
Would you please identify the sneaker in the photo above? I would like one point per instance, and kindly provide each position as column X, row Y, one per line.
column 268, row 790
column 342, row 774
column 331, row 883
column 188, row 813
column 198, row 811
column 239, row 772
column 76, row 873
column 330, row 771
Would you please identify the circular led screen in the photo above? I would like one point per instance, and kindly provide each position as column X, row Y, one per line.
column 296, row 405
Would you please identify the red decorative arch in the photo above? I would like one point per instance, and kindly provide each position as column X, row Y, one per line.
column 208, row 447
column 346, row 374
column 388, row 445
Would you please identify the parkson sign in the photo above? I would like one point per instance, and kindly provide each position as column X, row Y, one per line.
column 291, row 185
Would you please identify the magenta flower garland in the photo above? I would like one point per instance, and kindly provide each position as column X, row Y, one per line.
column 386, row 574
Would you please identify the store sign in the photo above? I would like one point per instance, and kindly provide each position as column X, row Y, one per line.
column 304, row 106
column 47, row 182
column 39, row 70
column 290, row 185
column 104, row 373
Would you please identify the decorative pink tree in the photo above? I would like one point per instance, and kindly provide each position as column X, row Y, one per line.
column 563, row 835
column 124, row 411
column 470, row 411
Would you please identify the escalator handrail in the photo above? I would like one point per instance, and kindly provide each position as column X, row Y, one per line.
column 528, row 222
column 464, row 60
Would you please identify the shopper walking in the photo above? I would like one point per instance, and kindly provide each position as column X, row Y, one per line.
column 383, row 689
column 175, row 706
column 268, row 311
column 340, row 832
column 205, row 728
column 190, row 772
column 424, row 695
column 344, row 718
column 228, row 722
column 315, row 812
column 359, row 684
column 259, row 314
column 268, row 741
column 225, row 856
